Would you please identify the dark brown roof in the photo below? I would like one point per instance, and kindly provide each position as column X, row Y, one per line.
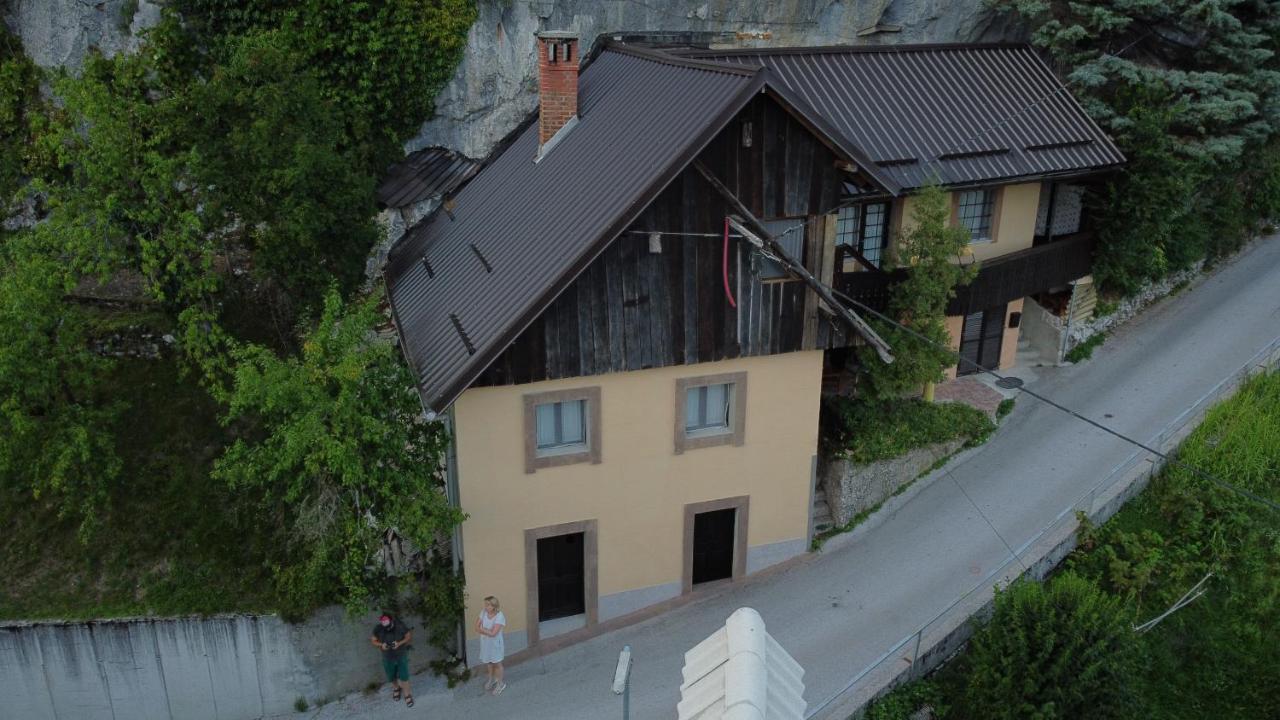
column 969, row 113
column 431, row 172
column 463, row 287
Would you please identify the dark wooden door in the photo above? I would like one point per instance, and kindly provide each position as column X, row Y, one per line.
column 561, row 578
column 980, row 339
column 713, row 542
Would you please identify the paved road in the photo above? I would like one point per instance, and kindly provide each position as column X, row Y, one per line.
column 838, row 611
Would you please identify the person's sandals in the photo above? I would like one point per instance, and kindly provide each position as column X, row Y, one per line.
column 497, row 690
column 395, row 694
column 408, row 702
column 488, row 685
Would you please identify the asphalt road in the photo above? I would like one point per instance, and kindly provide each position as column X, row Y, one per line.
column 839, row 610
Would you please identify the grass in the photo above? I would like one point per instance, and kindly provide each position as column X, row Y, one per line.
column 1215, row 658
column 172, row 541
column 866, row 432
column 1084, row 350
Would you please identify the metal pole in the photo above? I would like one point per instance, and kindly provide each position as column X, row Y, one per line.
column 622, row 680
column 916, row 655
column 626, row 701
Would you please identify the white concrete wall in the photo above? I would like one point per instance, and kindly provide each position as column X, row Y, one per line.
column 221, row 668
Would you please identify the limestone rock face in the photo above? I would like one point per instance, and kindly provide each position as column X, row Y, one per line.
column 495, row 85
column 60, row 33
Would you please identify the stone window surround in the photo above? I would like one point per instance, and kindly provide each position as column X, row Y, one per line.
column 736, row 434
column 741, row 503
column 997, row 201
column 590, row 570
column 532, row 460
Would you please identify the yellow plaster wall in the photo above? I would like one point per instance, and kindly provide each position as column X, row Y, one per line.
column 1015, row 226
column 638, row 492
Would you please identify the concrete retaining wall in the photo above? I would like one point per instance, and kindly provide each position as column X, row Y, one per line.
column 221, row 668
column 853, row 488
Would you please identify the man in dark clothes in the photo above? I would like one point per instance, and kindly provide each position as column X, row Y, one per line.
column 392, row 637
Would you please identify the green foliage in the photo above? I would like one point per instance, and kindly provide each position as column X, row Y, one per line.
column 380, row 62
column 1190, row 90
column 18, row 94
column 906, row 700
column 1004, row 408
column 340, row 455
column 55, row 422
column 1063, row 649
column 1084, row 350
column 928, row 250
column 866, row 432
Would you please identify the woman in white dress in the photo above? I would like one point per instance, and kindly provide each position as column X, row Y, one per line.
column 489, row 625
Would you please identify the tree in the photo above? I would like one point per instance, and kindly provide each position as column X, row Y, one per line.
column 56, row 430
column 342, row 454
column 928, row 250
column 1064, row 649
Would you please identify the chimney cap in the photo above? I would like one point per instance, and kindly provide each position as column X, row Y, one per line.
column 558, row 34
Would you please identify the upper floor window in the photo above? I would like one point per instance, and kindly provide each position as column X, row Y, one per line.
column 789, row 232
column 710, row 410
column 974, row 211
column 865, row 229
column 706, row 410
column 561, row 427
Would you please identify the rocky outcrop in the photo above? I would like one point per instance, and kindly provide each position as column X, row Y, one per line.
column 494, row 88
column 60, row 33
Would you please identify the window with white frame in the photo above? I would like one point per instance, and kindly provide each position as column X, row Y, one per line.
column 710, row 410
column 562, row 427
column 974, row 210
column 706, row 409
column 864, row 228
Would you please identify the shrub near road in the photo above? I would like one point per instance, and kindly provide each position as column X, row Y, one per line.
column 1215, row 658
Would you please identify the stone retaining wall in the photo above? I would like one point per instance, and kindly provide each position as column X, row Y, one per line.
column 853, row 488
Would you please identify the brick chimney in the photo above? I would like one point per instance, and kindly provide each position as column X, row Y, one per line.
column 557, row 82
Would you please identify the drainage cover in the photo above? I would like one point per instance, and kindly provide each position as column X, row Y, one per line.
column 1009, row 383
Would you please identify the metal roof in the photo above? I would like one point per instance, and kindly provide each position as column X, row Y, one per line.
column 430, row 172
column 464, row 284
column 969, row 113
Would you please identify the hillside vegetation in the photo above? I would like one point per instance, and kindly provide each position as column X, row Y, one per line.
column 214, row 189
column 1067, row 648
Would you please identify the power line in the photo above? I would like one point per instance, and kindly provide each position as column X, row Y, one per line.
column 1053, row 403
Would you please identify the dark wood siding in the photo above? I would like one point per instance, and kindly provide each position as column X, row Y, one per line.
column 634, row 309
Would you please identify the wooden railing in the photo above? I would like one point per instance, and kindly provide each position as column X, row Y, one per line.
column 1000, row 280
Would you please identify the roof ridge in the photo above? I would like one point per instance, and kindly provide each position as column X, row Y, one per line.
column 832, row 49
column 666, row 58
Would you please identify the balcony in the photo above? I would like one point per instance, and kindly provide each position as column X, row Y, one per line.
column 1000, row 280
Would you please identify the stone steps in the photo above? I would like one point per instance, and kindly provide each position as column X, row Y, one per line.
column 822, row 519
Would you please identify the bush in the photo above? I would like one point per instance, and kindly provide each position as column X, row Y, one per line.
column 1064, row 649
column 865, row 431
column 906, row 700
column 1084, row 350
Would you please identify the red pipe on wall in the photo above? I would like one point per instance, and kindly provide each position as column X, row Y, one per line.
column 724, row 266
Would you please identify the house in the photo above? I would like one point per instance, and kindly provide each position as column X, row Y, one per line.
column 633, row 383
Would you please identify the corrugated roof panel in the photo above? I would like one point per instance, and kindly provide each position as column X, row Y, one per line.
column 907, row 102
column 539, row 224
column 426, row 173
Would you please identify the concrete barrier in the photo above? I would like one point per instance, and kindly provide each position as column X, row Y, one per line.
column 222, row 668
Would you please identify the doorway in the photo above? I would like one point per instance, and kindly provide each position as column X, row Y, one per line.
column 561, row 576
column 713, row 541
column 980, row 339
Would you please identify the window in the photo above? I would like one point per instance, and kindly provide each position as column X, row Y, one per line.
column 706, row 410
column 974, row 210
column 561, row 427
column 710, row 410
column 864, row 228
column 791, row 237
